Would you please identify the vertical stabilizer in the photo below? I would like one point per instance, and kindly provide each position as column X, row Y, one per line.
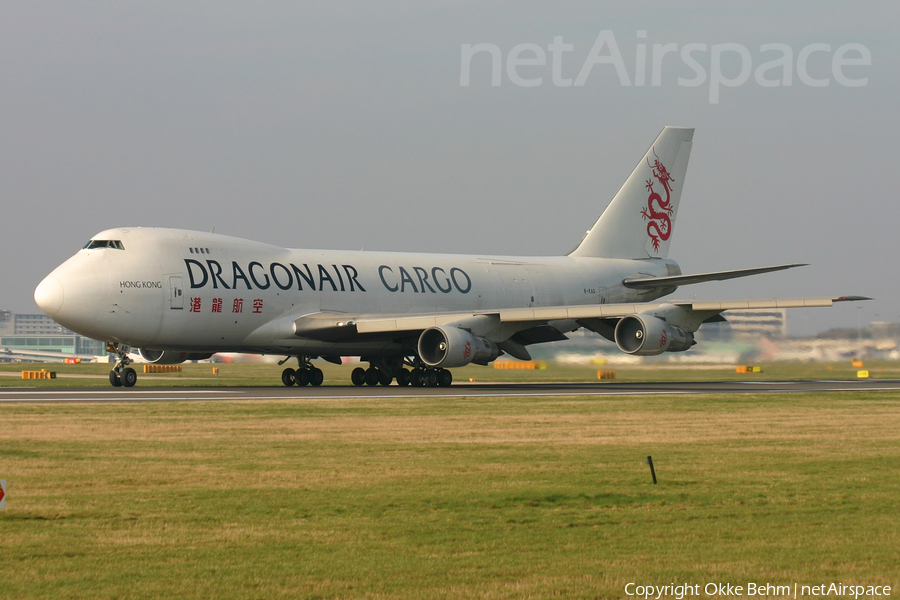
column 639, row 221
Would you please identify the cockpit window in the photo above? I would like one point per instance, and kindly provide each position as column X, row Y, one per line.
column 96, row 244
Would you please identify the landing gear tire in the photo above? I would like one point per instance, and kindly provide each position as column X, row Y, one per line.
column 417, row 378
column 129, row 377
column 287, row 377
column 114, row 379
column 431, row 378
column 445, row 378
column 316, row 377
column 358, row 376
column 403, row 378
column 372, row 376
column 302, row 377
column 384, row 378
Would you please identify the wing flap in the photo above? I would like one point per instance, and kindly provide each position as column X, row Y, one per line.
column 759, row 304
column 416, row 323
column 558, row 313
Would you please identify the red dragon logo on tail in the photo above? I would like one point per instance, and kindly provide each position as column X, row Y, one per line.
column 660, row 217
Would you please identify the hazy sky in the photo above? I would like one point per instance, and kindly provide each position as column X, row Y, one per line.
column 344, row 125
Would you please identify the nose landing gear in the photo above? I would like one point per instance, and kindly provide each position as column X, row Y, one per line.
column 121, row 374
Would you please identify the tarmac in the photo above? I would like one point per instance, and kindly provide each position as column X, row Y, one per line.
column 460, row 390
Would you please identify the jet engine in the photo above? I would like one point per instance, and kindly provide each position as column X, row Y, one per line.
column 449, row 347
column 170, row 357
column 646, row 335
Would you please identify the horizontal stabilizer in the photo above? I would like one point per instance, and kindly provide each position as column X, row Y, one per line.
column 677, row 280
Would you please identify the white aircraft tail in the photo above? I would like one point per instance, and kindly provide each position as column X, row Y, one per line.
column 638, row 223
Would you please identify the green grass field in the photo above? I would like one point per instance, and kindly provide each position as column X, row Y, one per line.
column 267, row 374
column 438, row 498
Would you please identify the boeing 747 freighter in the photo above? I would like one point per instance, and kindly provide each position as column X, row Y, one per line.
column 183, row 295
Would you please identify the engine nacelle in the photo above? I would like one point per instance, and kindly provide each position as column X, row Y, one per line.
column 170, row 357
column 449, row 347
column 646, row 335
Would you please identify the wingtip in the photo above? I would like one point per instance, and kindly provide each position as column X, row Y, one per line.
column 850, row 299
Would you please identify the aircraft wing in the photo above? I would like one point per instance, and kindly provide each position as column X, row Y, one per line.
column 596, row 311
column 335, row 327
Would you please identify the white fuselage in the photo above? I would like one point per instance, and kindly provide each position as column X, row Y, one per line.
column 180, row 290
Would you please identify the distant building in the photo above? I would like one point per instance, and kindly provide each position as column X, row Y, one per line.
column 747, row 324
column 38, row 337
column 769, row 323
column 885, row 329
column 13, row 324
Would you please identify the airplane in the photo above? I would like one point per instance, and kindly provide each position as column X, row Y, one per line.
column 179, row 295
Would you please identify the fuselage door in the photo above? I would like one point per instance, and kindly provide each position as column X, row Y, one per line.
column 176, row 292
column 517, row 287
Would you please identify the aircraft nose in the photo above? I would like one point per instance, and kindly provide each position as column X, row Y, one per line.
column 49, row 295
column 76, row 293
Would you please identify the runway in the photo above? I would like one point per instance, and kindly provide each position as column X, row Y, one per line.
column 462, row 390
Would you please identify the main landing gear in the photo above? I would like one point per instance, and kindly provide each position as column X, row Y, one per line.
column 121, row 374
column 383, row 372
column 306, row 373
